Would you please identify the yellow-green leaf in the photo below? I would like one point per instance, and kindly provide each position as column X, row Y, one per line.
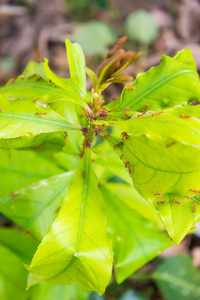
column 77, row 248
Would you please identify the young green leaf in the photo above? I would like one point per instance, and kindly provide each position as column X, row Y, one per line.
column 41, row 142
column 29, row 207
column 165, row 174
column 24, row 118
column 18, row 170
column 33, row 68
column 39, row 83
column 76, row 247
column 91, row 74
column 135, row 240
column 179, row 124
column 76, row 61
column 35, row 88
column 175, row 81
column 72, row 86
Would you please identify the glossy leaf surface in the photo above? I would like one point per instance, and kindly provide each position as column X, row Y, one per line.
column 76, row 247
column 175, row 81
column 177, row 278
column 135, row 240
column 35, row 207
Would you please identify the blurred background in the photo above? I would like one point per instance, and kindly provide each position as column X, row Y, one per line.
column 32, row 30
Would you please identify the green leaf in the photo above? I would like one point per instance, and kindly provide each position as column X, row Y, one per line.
column 76, row 247
column 135, row 202
column 47, row 291
column 166, row 176
column 91, row 74
column 18, row 170
column 25, row 249
column 24, row 118
column 72, row 86
column 135, row 239
column 29, row 87
column 76, row 61
column 175, row 81
column 94, row 37
column 38, row 83
column 35, row 68
column 141, row 27
column 179, row 124
column 29, row 207
column 107, row 163
column 42, row 142
column 13, row 275
column 178, row 279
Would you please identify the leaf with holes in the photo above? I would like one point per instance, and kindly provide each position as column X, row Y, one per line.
column 77, row 248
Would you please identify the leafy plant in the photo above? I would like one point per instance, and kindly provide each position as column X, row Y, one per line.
column 91, row 181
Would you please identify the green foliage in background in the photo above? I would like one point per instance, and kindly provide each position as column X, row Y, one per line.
column 141, row 27
column 95, row 184
column 94, row 36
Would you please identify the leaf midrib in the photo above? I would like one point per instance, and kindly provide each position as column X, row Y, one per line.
column 63, row 124
column 79, row 233
column 61, row 90
column 157, row 86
